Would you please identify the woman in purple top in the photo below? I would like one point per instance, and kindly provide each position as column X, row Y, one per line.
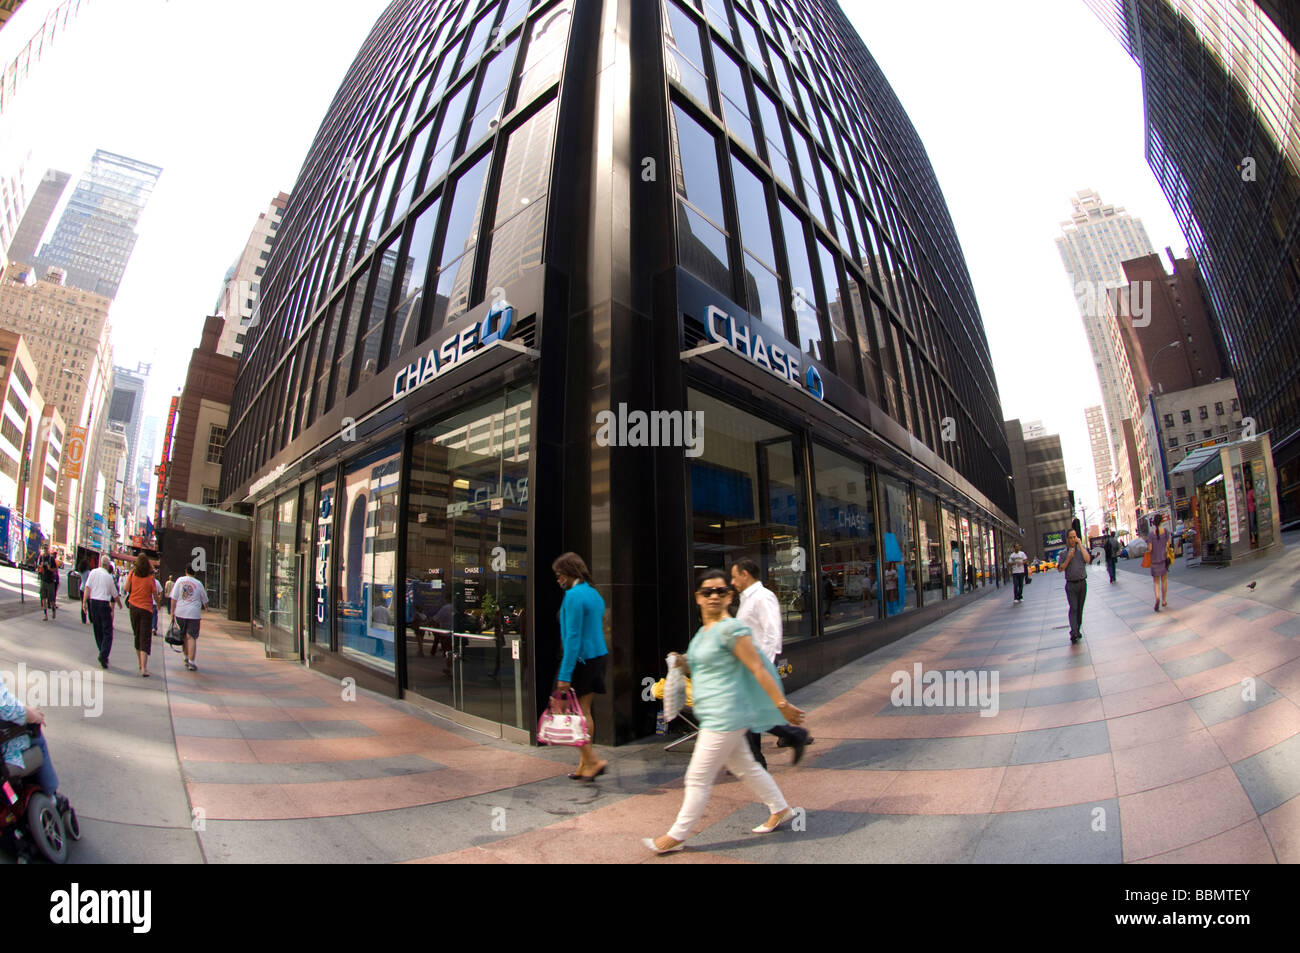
column 1158, row 540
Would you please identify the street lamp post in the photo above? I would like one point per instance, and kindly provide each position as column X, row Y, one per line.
column 1155, row 421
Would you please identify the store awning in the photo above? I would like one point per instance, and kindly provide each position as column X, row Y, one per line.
column 195, row 518
column 1198, row 456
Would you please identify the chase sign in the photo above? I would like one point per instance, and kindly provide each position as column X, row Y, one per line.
column 774, row 358
column 455, row 349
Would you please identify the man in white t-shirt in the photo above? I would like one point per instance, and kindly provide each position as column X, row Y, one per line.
column 760, row 610
column 188, row 599
column 1017, row 561
column 98, row 595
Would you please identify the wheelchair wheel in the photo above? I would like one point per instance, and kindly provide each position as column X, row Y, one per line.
column 45, row 828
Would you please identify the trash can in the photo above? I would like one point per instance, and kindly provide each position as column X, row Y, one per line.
column 74, row 585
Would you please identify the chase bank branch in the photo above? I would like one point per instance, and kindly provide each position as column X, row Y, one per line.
column 656, row 282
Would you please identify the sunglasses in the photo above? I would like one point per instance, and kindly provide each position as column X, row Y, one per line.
column 709, row 593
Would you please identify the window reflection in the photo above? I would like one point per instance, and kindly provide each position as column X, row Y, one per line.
column 747, row 500
column 898, row 560
column 367, row 557
column 846, row 540
column 410, row 296
column 545, row 56
column 521, row 200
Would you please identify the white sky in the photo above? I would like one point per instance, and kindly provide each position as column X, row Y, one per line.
column 1020, row 103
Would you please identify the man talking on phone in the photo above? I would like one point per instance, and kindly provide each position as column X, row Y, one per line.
column 1075, row 566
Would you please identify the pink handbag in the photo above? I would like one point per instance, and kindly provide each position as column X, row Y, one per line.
column 565, row 727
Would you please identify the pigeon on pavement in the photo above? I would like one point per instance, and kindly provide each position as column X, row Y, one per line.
column 1250, row 585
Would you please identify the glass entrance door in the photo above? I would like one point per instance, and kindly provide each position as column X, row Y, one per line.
column 467, row 559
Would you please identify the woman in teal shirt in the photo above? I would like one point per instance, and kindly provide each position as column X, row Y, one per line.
column 582, row 635
column 736, row 691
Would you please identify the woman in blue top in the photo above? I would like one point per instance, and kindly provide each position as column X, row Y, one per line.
column 1158, row 540
column 736, row 691
column 582, row 634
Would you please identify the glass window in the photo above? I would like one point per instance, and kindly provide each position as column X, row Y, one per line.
column 968, row 580
column 846, row 540
column 520, row 220
column 776, row 156
column 545, row 56
column 348, row 337
column 807, row 176
column 749, row 40
column 702, row 248
column 752, row 211
column 735, row 106
column 696, row 152
column 385, row 264
column 410, row 295
column 685, row 59
column 930, row 545
column 457, row 259
column 842, row 343
column 444, row 148
column 262, row 554
column 283, row 569
column 413, row 174
column 803, row 293
column 899, row 557
column 367, row 557
column 477, row 40
column 468, row 496
column 492, row 94
column 747, row 492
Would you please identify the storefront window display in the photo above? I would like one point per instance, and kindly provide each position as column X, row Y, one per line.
column 953, row 575
column 898, row 560
column 367, row 557
column 968, row 569
column 846, row 540
column 747, row 499
column 282, row 628
column 262, row 565
column 467, row 558
column 931, row 547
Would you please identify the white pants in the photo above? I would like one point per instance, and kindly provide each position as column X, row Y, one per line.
column 715, row 750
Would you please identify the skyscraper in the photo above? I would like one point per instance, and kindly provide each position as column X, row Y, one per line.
column 521, row 228
column 243, row 283
column 27, row 238
column 1095, row 242
column 1099, row 441
column 95, row 236
column 1223, row 139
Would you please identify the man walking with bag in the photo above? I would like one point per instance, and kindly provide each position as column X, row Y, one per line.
column 188, row 600
column 760, row 611
column 1017, row 562
column 1075, row 566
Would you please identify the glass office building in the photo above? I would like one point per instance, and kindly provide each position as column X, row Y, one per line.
column 663, row 283
column 1219, row 78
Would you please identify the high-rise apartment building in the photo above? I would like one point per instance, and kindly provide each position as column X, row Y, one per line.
column 93, row 240
column 520, row 220
column 243, row 283
column 1095, row 242
column 1043, row 496
column 1223, row 139
column 68, row 333
column 1099, row 443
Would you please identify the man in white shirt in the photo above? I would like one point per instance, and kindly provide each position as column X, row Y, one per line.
column 761, row 612
column 98, row 596
column 188, row 599
column 1017, row 561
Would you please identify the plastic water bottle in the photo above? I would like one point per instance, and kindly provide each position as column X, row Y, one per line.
column 660, row 727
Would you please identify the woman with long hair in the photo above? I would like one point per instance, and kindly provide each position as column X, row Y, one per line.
column 1158, row 541
column 582, row 635
column 142, row 591
column 736, row 691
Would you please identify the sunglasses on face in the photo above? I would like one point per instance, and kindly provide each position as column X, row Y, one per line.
column 709, row 593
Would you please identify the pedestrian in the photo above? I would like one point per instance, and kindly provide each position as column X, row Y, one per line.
column 1075, row 566
column 970, row 576
column 1111, row 551
column 166, row 599
column 48, row 569
column 760, row 612
column 98, row 596
column 956, row 568
column 1251, row 517
column 736, row 690
column 1158, row 547
column 188, row 599
column 1017, row 561
column 142, row 594
column 582, row 667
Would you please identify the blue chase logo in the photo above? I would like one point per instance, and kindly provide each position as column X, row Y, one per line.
column 774, row 358
column 468, row 343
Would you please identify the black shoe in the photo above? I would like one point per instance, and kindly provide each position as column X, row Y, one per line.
column 798, row 749
column 103, row 662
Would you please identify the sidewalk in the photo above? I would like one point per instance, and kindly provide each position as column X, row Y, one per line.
column 1135, row 745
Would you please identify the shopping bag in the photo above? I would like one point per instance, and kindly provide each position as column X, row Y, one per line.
column 567, row 726
column 1146, row 559
column 674, row 691
column 173, row 636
